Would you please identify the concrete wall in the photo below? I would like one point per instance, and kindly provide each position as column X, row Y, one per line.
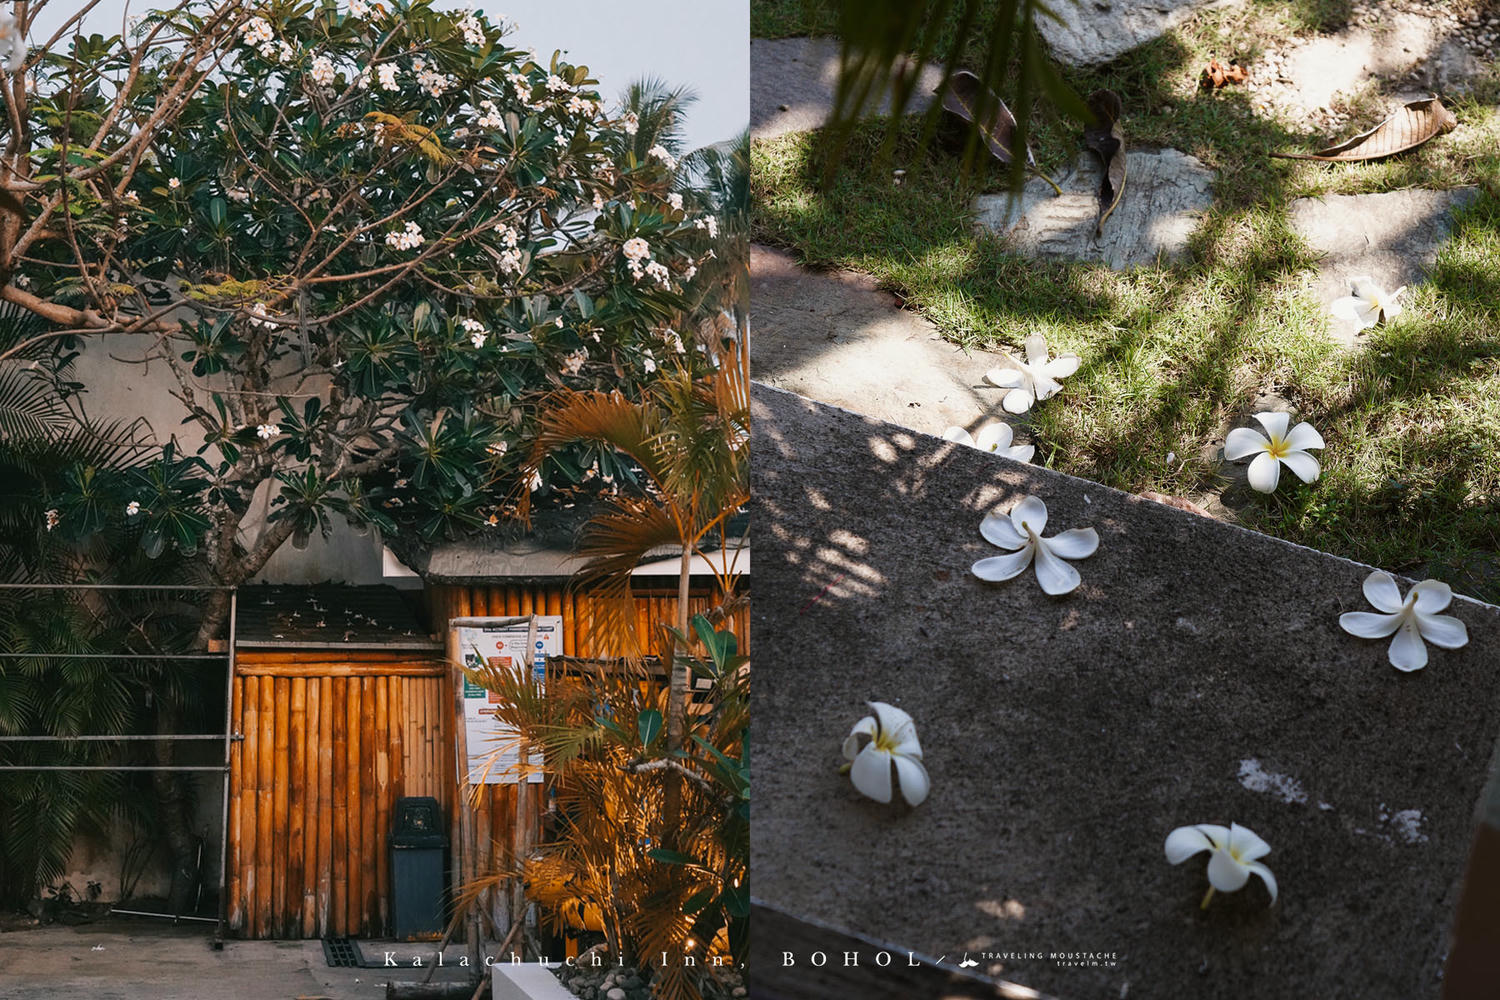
column 118, row 388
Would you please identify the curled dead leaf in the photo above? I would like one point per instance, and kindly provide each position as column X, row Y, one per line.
column 1408, row 128
column 1181, row 503
column 1106, row 138
column 1217, row 74
column 972, row 105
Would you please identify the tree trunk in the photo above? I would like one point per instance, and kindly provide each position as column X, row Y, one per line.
column 173, row 805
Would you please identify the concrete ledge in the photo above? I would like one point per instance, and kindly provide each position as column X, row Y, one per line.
column 526, row 982
column 1198, row 675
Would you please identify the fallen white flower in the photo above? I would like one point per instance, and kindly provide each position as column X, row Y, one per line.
column 1034, row 379
column 1021, row 531
column 1412, row 620
column 1368, row 304
column 880, row 743
column 1280, row 448
column 1235, row 853
column 994, row 437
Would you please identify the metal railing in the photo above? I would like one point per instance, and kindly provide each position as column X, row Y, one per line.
column 227, row 737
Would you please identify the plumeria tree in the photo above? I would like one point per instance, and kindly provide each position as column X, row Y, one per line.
column 364, row 239
column 361, row 237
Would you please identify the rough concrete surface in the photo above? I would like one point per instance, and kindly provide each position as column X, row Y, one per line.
column 839, row 338
column 1393, row 237
column 1198, row 675
column 136, row 960
column 1166, row 191
column 1089, row 32
column 792, row 84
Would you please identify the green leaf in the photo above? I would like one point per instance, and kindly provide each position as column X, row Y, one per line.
column 650, row 726
column 667, row 857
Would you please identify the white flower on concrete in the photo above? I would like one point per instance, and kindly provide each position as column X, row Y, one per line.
column 1034, row 379
column 1236, row 851
column 1411, row 620
column 1276, row 448
column 1367, row 303
column 995, row 437
column 1020, row 532
column 883, row 742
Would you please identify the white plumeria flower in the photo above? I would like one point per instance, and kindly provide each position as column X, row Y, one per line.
column 1034, row 379
column 267, row 431
column 174, row 183
column 1368, row 303
column 1412, row 620
column 880, row 743
column 1020, row 531
column 1280, row 448
column 52, row 517
column 993, row 437
column 132, row 508
column 1236, row 851
column 659, row 152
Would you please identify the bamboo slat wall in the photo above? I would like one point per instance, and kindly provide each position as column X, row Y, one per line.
column 332, row 738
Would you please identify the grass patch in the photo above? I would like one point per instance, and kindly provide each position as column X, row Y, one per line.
column 1175, row 355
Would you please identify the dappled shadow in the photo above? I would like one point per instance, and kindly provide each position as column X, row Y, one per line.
column 1173, row 355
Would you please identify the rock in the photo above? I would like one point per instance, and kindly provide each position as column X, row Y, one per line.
column 1089, row 32
column 616, row 993
column 839, row 338
column 1165, row 192
column 1393, row 237
column 792, row 86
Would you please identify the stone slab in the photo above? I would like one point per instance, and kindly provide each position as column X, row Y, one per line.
column 1394, row 237
column 1086, row 33
column 526, row 982
column 1198, row 675
column 793, row 80
column 839, row 338
column 1166, row 192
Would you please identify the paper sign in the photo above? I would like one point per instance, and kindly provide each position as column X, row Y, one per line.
column 504, row 643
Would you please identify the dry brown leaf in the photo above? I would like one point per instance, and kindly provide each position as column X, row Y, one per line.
column 972, row 104
column 1107, row 138
column 1181, row 503
column 1408, row 128
column 1217, row 75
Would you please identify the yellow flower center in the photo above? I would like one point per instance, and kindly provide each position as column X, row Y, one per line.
column 1278, row 448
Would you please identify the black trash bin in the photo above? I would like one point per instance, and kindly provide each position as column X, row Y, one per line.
column 417, row 847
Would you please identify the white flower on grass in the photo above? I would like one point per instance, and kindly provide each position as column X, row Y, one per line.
column 993, row 437
column 1236, row 851
column 659, row 152
column 881, row 743
column 267, row 431
column 132, row 508
column 1367, row 303
column 387, row 73
column 1280, row 448
column 1020, row 532
column 1034, row 379
column 1412, row 620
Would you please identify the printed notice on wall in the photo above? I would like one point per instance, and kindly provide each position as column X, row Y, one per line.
column 501, row 643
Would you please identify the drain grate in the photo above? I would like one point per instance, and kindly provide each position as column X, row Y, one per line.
column 342, row 953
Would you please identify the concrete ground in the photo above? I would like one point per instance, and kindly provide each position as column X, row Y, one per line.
column 1199, row 675
column 136, row 959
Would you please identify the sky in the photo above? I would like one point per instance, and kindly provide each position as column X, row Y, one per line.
column 704, row 44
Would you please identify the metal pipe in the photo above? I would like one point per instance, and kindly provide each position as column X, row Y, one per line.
column 114, row 586
column 164, row 916
column 109, row 767
column 234, row 607
column 111, row 656
column 108, row 739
